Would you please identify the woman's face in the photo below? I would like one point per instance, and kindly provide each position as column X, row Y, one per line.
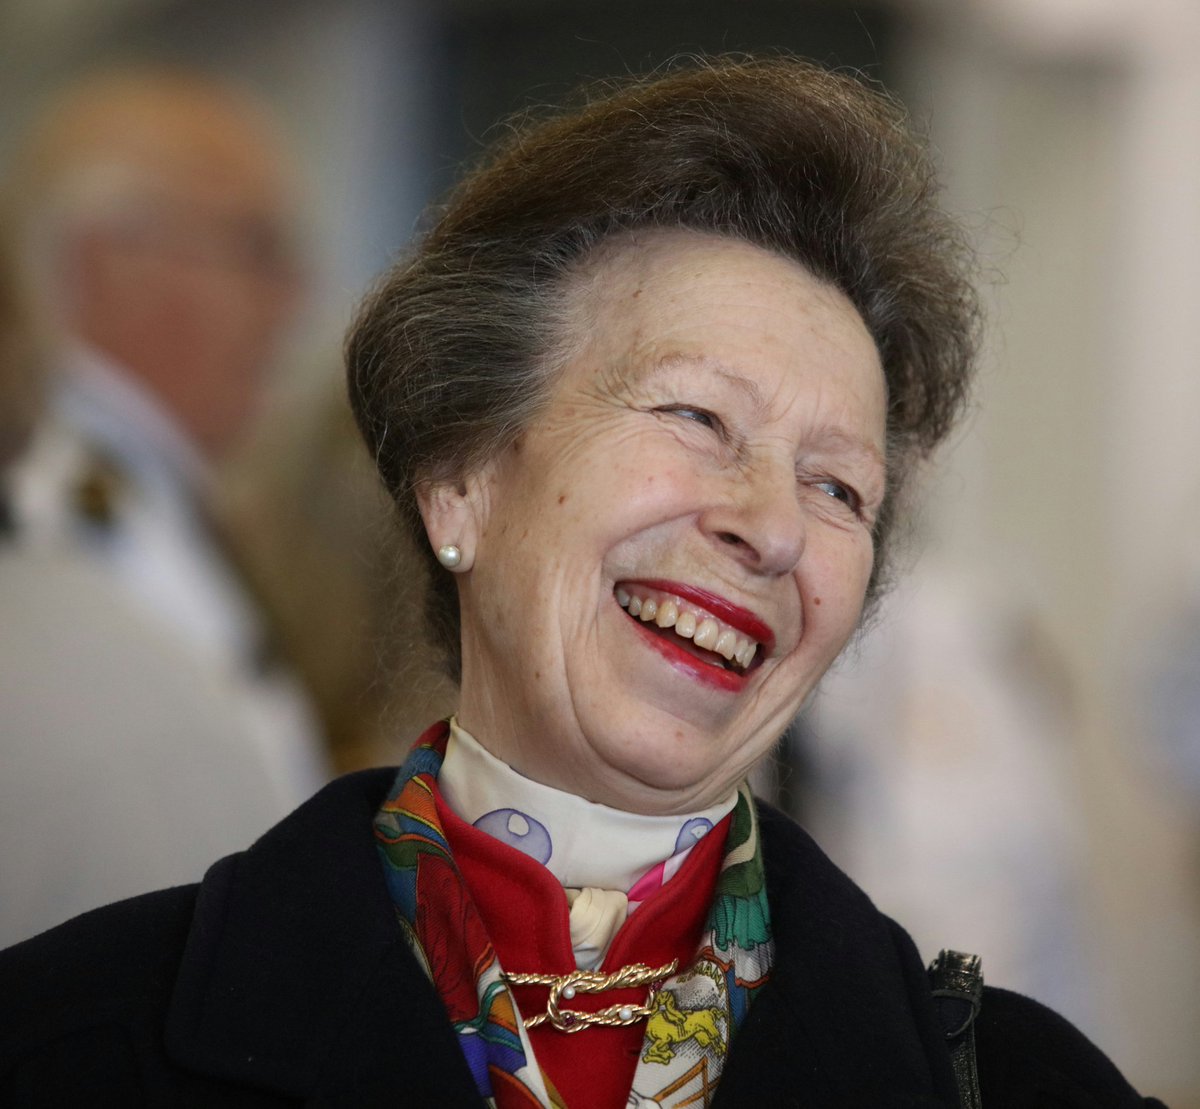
column 712, row 453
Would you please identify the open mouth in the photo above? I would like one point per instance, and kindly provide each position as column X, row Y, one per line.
column 691, row 628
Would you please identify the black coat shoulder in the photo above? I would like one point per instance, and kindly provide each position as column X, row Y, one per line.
column 127, row 952
column 80, row 1001
column 1028, row 1056
column 1036, row 1057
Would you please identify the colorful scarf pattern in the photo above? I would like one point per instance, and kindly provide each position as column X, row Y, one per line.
column 695, row 1013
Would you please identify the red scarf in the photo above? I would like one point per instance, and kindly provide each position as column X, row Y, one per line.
column 461, row 897
column 525, row 914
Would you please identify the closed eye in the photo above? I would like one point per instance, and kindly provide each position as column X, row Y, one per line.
column 696, row 415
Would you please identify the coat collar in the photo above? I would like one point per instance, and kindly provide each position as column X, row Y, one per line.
column 296, row 979
column 846, row 1018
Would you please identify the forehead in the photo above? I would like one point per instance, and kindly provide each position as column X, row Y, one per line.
column 647, row 302
column 187, row 143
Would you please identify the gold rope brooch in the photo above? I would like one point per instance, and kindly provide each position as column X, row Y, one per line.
column 563, row 987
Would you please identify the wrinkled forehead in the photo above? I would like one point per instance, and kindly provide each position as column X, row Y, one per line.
column 641, row 297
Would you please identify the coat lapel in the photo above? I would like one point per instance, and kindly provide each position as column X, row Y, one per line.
column 845, row 1018
column 296, row 977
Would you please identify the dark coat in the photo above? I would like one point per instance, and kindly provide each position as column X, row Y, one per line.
column 283, row 978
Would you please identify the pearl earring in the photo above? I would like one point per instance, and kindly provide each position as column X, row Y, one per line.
column 449, row 556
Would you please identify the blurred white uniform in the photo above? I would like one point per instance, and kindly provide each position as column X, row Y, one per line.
column 131, row 656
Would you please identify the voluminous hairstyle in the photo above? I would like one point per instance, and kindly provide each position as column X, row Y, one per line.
column 454, row 353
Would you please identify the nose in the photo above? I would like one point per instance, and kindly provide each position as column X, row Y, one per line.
column 759, row 519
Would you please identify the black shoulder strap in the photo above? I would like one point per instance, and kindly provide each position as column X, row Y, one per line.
column 957, row 984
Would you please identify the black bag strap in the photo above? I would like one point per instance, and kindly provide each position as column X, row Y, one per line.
column 956, row 980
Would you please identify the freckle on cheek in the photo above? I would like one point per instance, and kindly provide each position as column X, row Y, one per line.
column 562, row 497
column 817, row 601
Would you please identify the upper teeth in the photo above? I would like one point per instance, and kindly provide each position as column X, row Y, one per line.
column 703, row 630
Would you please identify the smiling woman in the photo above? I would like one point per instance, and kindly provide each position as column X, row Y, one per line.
column 649, row 392
column 685, row 456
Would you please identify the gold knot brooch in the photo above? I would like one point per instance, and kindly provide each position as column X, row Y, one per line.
column 563, row 987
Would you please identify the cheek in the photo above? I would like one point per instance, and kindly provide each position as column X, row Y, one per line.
column 547, row 527
column 569, row 510
column 531, row 545
column 835, row 591
column 655, row 488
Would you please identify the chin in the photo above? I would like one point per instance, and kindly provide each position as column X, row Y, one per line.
column 666, row 776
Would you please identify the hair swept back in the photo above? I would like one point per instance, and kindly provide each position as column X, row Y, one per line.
column 451, row 355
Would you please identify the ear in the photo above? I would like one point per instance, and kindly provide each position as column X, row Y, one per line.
column 454, row 512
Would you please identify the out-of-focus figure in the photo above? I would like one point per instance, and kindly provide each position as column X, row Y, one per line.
column 1168, row 674
column 936, row 765
column 20, row 384
column 145, row 723
column 344, row 582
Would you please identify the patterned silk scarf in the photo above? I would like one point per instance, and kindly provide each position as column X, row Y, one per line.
column 693, row 1015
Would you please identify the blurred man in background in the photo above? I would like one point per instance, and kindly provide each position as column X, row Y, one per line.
column 152, row 229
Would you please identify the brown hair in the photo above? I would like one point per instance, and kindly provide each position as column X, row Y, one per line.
column 451, row 356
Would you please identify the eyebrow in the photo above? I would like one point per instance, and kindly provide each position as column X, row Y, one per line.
column 749, row 388
column 738, row 380
column 841, row 441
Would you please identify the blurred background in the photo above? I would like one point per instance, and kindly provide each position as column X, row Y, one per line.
column 1009, row 761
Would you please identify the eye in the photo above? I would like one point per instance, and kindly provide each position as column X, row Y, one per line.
column 695, row 415
column 840, row 492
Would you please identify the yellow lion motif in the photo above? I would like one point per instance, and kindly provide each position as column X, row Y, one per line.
column 668, row 1026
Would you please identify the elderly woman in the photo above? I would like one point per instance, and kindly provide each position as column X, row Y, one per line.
column 650, row 391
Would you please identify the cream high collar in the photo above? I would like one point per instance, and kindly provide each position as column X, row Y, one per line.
column 580, row 842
